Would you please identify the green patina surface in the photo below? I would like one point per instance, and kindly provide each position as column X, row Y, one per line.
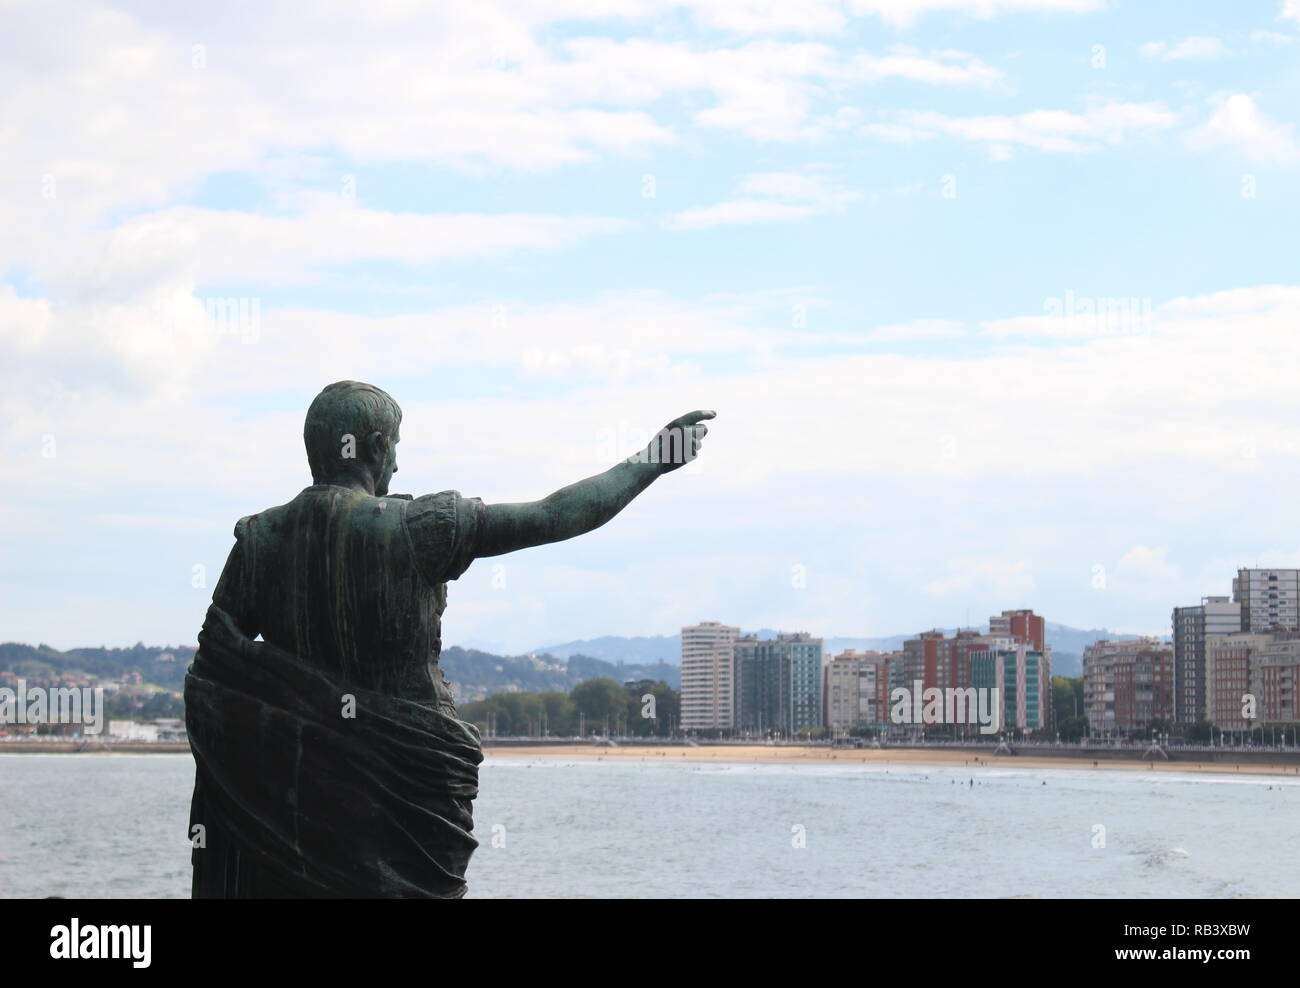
column 329, row 757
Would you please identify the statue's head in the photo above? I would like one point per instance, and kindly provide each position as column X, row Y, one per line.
column 351, row 435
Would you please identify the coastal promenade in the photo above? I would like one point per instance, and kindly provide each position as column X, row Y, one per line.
column 1176, row 758
column 1269, row 761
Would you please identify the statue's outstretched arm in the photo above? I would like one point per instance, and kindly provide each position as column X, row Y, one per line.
column 590, row 503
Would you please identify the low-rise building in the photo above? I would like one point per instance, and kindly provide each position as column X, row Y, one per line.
column 129, row 730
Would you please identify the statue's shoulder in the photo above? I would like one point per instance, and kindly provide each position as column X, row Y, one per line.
column 269, row 519
column 440, row 502
column 444, row 530
column 441, row 497
column 248, row 524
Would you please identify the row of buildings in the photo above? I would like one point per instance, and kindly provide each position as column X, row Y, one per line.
column 1235, row 659
column 744, row 685
column 1232, row 663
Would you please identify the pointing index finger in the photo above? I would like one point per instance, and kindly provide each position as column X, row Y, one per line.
column 691, row 418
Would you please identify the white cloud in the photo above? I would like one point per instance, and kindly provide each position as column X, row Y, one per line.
column 921, row 330
column 903, row 13
column 766, row 90
column 144, row 417
column 469, row 87
column 193, row 245
column 953, row 68
column 1189, row 48
column 1055, row 131
column 478, row 87
column 900, row 132
column 763, row 16
column 1239, row 123
column 1073, row 407
column 769, row 197
column 1146, row 571
column 1073, row 315
column 1290, row 10
column 1002, row 578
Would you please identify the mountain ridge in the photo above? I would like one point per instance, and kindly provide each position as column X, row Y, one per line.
column 477, row 673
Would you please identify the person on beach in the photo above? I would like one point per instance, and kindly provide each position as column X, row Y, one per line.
column 329, row 760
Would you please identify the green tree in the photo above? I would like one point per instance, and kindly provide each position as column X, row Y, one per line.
column 666, row 707
column 1073, row 728
column 509, row 714
column 162, row 704
column 599, row 699
column 561, row 715
column 1067, row 698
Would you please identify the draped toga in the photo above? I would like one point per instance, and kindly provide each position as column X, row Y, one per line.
column 329, row 757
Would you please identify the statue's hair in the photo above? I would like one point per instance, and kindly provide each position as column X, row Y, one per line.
column 345, row 408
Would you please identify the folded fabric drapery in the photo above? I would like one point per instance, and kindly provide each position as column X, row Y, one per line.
column 333, row 789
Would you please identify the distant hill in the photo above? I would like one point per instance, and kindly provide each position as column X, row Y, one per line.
column 473, row 674
column 1067, row 646
column 476, row 674
column 615, row 648
column 162, row 665
column 1068, row 639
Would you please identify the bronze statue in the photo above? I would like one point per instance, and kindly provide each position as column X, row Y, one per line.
column 329, row 760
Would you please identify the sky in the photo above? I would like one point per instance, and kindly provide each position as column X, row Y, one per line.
column 997, row 301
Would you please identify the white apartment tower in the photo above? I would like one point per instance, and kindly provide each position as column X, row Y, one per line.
column 1269, row 599
column 708, row 684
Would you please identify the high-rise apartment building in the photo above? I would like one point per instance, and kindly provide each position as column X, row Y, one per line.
column 1275, row 678
column 1269, row 599
column 855, row 691
column 778, row 684
column 955, row 655
column 708, row 670
column 1023, row 676
column 1128, row 685
column 1023, row 624
column 1229, row 660
column 920, row 662
column 1252, row 679
column 1192, row 625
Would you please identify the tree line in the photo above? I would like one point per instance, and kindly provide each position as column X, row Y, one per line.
column 642, row 708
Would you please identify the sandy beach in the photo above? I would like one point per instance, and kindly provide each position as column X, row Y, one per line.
column 903, row 757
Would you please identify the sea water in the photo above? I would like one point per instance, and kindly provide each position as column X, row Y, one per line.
column 115, row 826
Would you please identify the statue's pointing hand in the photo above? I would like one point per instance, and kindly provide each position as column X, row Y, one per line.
column 678, row 443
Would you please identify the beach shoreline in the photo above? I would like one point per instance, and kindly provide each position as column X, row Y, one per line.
column 1226, row 762
column 899, row 757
